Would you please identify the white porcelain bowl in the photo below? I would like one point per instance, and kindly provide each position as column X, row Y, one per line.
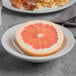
column 10, row 46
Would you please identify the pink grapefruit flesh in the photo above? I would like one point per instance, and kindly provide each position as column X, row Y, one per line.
column 44, row 35
column 39, row 37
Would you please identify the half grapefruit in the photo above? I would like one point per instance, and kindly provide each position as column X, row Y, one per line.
column 39, row 38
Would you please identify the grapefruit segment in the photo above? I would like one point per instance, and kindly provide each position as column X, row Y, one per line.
column 39, row 37
column 36, row 33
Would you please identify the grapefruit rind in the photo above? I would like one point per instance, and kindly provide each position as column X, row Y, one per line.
column 39, row 52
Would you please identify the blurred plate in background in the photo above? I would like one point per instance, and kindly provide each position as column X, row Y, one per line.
column 7, row 4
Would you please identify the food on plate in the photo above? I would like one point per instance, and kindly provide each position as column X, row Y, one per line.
column 17, row 3
column 32, row 1
column 37, row 4
column 61, row 2
column 39, row 38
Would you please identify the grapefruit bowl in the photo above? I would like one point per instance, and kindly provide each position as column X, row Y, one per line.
column 9, row 45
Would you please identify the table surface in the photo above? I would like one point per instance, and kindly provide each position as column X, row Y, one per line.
column 11, row 66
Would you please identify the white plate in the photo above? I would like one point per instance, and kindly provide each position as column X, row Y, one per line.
column 7, row 4
column 10, row 46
